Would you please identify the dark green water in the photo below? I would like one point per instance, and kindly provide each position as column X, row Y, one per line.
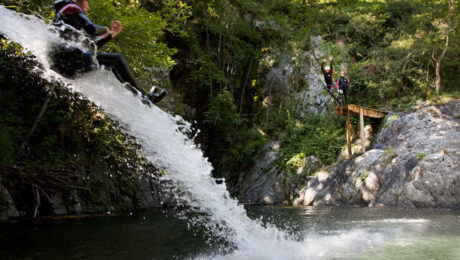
column 358, row 233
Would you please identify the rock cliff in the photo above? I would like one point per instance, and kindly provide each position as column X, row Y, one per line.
column 294, row 79
column 99, row 192
column 299, row 79
column 415, row 162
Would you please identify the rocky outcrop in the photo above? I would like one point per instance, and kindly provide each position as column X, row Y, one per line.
column 415, row 163
column 266, row 183
column 295, row 79
column 260, row 184
column 7, row 207
column 298, row 78
column 99, row 192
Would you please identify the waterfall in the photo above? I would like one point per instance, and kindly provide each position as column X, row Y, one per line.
column 164, row 145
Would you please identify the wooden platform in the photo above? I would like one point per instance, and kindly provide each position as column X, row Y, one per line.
column 354, row 110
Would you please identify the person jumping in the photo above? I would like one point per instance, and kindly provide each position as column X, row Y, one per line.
column 71, row 60
column 328, row 73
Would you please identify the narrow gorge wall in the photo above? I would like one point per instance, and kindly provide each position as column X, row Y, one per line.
column 294, row 80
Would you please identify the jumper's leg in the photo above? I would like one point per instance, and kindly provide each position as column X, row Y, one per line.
column 118, row 63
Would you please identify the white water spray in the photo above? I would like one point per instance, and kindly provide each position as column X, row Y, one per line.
column 162, row 144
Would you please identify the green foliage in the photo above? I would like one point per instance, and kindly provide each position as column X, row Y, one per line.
column 321, row 136
column 142, row 38
column 390, row 153
column 231, row 143
column 389, row 45
column 43, row 8
column 364, row 175
column 421, row 156
column 6, row 147
column 222, row 113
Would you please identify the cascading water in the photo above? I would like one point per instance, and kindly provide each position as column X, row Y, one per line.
column 164, row 145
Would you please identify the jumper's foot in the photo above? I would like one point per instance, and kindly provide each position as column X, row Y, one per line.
column 145, row 100
column 131, row 88
column 156, row 97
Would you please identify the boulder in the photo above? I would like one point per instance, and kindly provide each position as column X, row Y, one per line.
column 7, row 207
column 452, row 108
column 58, row 205
column 73, row 203
column 261, row 184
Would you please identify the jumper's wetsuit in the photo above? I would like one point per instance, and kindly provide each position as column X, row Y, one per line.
column 72, row 14
column 328, row 77
column 343, row 84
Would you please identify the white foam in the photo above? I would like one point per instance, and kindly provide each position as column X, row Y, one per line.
column 395, row 220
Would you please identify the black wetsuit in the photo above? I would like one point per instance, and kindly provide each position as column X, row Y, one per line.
column 328, row 77
column 343, row 84
column 71, row 14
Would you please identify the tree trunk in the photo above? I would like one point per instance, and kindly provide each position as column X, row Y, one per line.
column 40, row 115
column 446, row 46
column 244, row 85
column 438, row 76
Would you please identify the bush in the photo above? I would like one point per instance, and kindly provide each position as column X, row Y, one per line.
column 231, row 145
column 421, row 156
column 320, row 135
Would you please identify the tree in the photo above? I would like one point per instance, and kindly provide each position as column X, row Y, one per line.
column 445, row 28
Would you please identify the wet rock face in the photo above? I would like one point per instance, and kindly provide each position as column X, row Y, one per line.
column 260, row 184
column 142, row 193
column 266, row 183
column 417, row 165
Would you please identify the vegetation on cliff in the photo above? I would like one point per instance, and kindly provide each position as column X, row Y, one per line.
column 390, row 50
column 54, row 141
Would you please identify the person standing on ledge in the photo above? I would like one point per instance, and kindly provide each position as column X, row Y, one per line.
column 342, row 85
column 73, row 13
column 328, row 73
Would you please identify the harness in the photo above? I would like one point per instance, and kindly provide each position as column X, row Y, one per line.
column 328, row 78
column 343, row 84
column 59, row 4
column 66, row 57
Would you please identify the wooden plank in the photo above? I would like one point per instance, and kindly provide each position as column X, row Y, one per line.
column 361, row 130
column 355, row 110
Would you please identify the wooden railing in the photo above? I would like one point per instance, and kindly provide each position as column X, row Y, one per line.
column 354, row 110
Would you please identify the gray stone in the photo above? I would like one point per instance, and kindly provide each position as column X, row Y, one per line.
column 7, row 207
column 261, row 184
column 316, row 40
column 298, row 78
column 309, row 165
column 452, row 108
column 58, row 205
column 73, row 203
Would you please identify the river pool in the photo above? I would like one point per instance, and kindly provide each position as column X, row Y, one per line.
column 329, row 233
